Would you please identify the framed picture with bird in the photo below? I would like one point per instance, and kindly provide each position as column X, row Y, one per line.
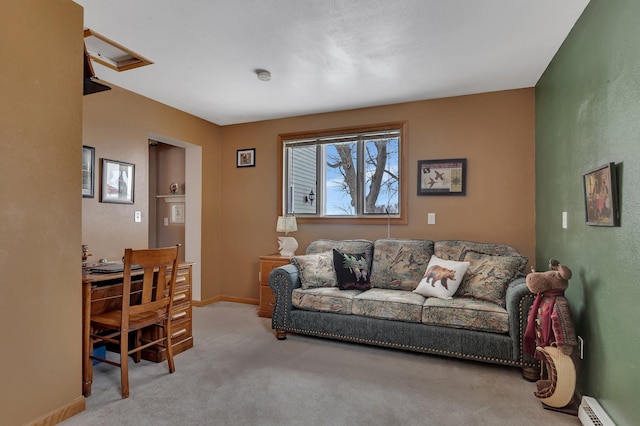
column 442, row 177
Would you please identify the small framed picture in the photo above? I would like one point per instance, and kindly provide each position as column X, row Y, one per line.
column 246, row 157
column 118, row 180
column 177, row 212
column 601, row 196
column 88, row 175
column 442, row 177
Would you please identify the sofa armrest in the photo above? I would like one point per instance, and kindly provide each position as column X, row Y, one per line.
column 282, row 281
column 518, row 303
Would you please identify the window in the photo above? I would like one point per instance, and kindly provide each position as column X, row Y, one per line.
column 350, row 174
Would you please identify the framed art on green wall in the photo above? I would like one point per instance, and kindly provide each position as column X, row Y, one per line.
column 601, row 196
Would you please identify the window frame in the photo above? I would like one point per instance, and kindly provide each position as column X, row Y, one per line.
column 399, row 219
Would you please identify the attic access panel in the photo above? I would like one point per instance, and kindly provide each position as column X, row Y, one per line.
column 90, row 85
column 111, row 54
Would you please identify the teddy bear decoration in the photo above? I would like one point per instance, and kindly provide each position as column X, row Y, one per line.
column 85, row 254
column 550, row 336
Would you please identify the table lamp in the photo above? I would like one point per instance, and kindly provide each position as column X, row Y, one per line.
column 288, row 245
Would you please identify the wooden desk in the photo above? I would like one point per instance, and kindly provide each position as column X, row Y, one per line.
column 102, row 292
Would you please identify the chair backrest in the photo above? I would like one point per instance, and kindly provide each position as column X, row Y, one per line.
column 157, row 288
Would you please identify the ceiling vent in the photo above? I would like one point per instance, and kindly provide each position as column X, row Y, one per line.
column 111, row 54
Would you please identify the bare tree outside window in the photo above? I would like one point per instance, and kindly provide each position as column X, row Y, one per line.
column 381, row 175
column 381, row 164
column 346, row 175
column 341, row 178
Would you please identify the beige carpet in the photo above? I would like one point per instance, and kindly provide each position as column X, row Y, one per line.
column 239, row 374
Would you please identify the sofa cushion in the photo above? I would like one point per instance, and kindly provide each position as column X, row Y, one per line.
column 442, row 278
column 352, row 271
column 488, row 276
column 396, row 305
column 316, row 270
column 470, row 314
column 457, row 250
column 399, row 264
column 324, row 299
column 345, row 246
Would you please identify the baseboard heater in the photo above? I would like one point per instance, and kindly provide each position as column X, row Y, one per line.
column 591, row 413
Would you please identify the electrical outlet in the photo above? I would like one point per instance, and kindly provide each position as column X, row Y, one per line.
column 137, row 216
column 581, row 347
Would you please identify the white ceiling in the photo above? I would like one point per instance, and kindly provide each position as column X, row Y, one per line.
column 327, row 55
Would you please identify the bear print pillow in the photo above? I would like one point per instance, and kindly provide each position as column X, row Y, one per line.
column 442, row 278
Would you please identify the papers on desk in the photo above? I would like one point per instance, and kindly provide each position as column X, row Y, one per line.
column 113, row 268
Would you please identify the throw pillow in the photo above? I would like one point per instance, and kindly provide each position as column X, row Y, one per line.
column 352, row 271
column 316, row 270
column 442, row 278
column 398, row 264
column 488, row 276
column 345, row 246
column 501, row 250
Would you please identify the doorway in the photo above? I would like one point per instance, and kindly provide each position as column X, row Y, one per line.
column 192, row 191
column 166, row 195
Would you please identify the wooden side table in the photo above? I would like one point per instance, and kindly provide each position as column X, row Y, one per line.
column 267, row 264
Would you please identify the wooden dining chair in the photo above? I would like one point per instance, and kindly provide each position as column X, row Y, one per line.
column 148, row 304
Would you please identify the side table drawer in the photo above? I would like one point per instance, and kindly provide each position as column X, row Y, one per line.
column 267, row 297
column 267, row 264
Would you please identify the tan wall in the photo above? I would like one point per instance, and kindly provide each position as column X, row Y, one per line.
column 40, row 140
column 494, row 131
column 118, row 123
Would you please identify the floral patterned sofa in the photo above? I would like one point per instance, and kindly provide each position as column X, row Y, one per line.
column 454, row 298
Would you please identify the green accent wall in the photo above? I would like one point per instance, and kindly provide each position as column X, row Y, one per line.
column 587, row 115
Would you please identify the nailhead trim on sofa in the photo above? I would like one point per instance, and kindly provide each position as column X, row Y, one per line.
column 286, row 286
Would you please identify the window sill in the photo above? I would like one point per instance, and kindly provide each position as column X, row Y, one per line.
column 333, row 220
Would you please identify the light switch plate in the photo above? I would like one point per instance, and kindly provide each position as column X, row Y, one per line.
column 564, row 220
column 431, row 218
column 137, row 216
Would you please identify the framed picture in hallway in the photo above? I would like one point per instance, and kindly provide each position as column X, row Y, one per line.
column 88, row 175
column 118, row 180
column 601, row 196
column 177, row 213
column 246, row 157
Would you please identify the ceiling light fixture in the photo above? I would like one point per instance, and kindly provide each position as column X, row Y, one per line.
column 263, row 75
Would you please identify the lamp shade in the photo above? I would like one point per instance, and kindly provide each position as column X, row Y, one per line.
column 286, row 224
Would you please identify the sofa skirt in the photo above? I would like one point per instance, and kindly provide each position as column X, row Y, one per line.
column 460, row 343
